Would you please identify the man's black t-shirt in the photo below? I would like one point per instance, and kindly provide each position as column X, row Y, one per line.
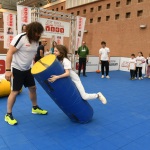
column 37, row 56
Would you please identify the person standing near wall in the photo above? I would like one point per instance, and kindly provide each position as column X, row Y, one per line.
column 54, row 43
column 18, row 68
column 40, row 50
column 104, row 57
column 23, row 29
column 83, row 52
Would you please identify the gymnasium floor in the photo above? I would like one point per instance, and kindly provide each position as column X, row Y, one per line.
column 122, row 124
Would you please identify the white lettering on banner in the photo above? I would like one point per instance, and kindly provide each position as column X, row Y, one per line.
column 53, row 27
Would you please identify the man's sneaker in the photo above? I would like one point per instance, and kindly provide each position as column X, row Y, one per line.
column 102, row 98
column 102, row 76
column 141, row 78
column 38, row 110
column 10, row 120
column 108, row 77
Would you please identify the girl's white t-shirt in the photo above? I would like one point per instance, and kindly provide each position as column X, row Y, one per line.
column 139, row 61
column 67, row 65
column 132, row 63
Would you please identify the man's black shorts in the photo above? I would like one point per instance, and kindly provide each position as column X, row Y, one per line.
column 21, row 78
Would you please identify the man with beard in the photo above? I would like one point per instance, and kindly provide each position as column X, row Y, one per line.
column 18, row 62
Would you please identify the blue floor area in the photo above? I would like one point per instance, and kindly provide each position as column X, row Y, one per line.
column 122, row 124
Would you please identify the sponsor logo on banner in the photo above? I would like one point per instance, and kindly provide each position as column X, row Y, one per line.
column 54, row 27
column 1, row 36
column 9, row 39
column 59, row 40
column 114, row 63
column 79, row 31
column 2, row 66
column 124, row 64
column 23, row 16
column 10, row 20
column 9, row 28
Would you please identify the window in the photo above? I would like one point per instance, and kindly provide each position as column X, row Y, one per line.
column 99, row 19
column 72, row 13
column 139, row 1
column 139, row 13
column 52, row 17
column 108, row 6
column 117, row 16
column 62, row 7
column 78, row 12
column 118, row 4
column 52, row 9
column 92, row 9
column 128, row 2
column 91, row 20
column 128, row 15
column 99, row 8
column 84, row 11
column 107, row 18
column 56, row 9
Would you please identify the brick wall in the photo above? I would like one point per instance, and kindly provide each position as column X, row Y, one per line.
column 121, row 32
column 123, row 35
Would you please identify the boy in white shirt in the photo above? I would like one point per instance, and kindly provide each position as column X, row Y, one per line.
column 132, row 66
column 104, row 59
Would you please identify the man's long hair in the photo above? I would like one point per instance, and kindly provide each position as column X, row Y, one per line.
column 34, row 31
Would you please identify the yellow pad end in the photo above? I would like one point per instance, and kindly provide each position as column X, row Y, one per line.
column 43, row 64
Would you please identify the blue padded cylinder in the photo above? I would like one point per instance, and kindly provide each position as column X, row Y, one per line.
column 63, row 91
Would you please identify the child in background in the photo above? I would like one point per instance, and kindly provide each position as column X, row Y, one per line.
column 60, row 52
column 132, row 66
column 148, row 66
column 139, row 64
